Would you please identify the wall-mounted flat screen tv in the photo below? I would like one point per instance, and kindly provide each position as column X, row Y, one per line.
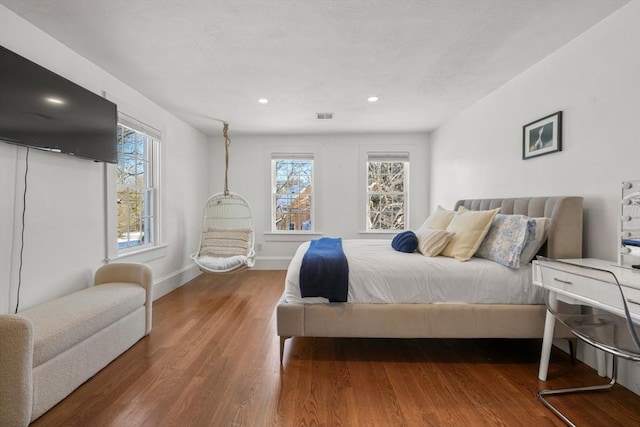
column 41, row 109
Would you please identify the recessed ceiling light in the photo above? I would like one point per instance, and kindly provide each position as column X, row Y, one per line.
column 53, row 100
column 372, row 98
column 263, row 100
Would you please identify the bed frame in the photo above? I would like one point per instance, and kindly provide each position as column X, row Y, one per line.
column 446, row 320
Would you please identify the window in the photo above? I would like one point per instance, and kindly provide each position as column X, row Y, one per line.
column 292, row 192
column 387, row 191
column 136, row 185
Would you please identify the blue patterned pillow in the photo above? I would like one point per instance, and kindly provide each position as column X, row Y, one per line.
column 506, row 239
column 407, row 241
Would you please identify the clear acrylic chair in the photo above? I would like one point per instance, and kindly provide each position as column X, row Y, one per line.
column 613, row 333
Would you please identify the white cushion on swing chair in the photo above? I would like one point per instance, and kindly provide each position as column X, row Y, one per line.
column 218, row 263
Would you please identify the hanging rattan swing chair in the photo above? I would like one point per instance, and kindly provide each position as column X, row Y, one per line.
column 227, row 239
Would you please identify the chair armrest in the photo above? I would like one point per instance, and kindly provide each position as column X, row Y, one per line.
column 16, row 364
column 129, row 273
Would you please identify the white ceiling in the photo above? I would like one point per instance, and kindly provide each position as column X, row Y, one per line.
column 425, row 59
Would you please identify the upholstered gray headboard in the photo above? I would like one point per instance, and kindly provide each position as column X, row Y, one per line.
column 565, row 229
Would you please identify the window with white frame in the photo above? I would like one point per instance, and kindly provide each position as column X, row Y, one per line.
column 387, row 191
column 138, row 154
column 292, row 194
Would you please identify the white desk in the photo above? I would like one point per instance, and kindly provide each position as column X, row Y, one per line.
column 570, row 283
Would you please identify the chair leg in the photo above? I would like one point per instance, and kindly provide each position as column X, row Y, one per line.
column 603, row 387
column 573, row 349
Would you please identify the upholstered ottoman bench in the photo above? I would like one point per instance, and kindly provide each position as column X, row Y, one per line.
column 49, row 350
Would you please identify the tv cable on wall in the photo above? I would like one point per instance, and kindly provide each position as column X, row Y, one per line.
column 24, row 210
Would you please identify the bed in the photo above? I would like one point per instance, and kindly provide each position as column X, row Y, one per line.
column 470, row 312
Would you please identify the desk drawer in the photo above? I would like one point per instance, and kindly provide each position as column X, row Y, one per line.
column 633, row 301
column 572, row 281
column 573, row 284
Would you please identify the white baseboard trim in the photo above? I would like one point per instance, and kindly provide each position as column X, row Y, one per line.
column 172, row 281
column 168, row 283
column 272, row 263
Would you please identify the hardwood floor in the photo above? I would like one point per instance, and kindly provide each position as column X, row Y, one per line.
column 212, row 359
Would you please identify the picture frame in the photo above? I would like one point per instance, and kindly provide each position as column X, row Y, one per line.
column 543, row 136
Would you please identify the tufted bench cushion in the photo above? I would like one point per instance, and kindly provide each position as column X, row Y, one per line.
column 64, row 322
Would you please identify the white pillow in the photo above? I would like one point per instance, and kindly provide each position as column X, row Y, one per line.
column 217, row 263
column 431, row 241
column 506, row 239
column 540, row 237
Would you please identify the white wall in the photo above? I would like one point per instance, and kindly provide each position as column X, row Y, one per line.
column 65, row 219
column 595, row 81
column 339, row 183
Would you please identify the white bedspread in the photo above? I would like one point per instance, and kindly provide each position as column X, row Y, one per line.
column 379, row 274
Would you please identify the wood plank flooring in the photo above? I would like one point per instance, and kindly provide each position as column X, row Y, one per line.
column 212, row 359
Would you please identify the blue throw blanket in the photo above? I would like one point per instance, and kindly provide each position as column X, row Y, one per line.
column 324, row 271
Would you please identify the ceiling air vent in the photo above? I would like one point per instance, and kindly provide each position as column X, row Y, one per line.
column 324, row 116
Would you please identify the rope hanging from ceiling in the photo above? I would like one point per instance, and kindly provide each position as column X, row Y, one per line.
column 227, row 143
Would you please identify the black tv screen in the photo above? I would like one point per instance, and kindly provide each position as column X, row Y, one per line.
column 41, row 109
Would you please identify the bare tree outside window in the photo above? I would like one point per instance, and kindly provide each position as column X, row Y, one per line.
column 292, row 194
column 386, row 195
column 134, row 187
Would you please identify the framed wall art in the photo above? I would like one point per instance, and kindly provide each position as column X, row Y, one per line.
column 543, row 136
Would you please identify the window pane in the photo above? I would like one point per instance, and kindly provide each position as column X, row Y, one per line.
column 135, row 201
column 385, row 195
column 292, row 198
